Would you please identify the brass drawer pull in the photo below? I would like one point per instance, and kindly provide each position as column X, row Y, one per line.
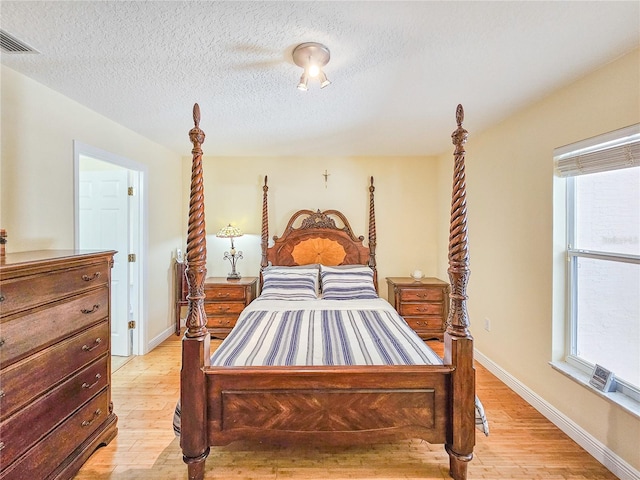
column 87, row 311
column 96, row 414
column 97, row 342
column 222, row 295
column 2, row 298
column 2, row 445
column 222, row 309
column 2, row 394
column 87, row 386
column 88, row 278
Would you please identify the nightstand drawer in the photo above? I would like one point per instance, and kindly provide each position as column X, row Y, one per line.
column 223, row 308
column 216, row 293
column 422, row 323
column 221, row 322
column 409, row 309
column 421, row 295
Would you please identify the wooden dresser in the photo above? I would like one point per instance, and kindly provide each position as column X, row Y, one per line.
column 424, row 304
column 224, row 300
column 55, row 362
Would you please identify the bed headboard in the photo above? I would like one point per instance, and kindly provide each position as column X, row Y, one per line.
column 458, row 321
column 318, row 237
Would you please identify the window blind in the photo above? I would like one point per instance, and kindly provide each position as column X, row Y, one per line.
column 612, row 151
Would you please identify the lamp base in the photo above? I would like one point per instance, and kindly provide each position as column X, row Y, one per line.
column 234, row 276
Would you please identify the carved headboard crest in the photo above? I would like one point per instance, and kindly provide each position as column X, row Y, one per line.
column 318, row 220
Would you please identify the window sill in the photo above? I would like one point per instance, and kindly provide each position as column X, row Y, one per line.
column 623, row 401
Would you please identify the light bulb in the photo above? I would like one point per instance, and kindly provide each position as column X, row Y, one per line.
column 324, row 81
column 302, row 85
column 314, row 70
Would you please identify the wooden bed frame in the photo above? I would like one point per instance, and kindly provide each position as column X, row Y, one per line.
column 431, row 402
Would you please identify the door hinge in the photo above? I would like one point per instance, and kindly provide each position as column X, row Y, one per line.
column 132, row 324
column 132, row 257
column 131, row 192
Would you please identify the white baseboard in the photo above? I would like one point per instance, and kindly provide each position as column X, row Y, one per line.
column 599, row 451
column 161, row 338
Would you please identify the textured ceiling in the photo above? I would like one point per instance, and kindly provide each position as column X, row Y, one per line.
column 398, row 68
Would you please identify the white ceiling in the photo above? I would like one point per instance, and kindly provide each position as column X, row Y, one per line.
column 398, row 68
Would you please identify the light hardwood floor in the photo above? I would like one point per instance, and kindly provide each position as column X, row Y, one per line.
column 522, row 443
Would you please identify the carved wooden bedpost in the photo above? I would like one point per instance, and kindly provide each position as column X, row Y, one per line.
column 372, row 234
column 264, row 237
column 458, row 340
column 195, row 344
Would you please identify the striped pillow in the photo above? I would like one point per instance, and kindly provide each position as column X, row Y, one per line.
column 354, row 283
column 289, row 285
column 313, row 268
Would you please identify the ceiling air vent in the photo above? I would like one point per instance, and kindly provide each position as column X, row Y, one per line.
column 10, row 44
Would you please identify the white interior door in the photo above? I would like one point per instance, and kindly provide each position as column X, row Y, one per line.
column 103, row 208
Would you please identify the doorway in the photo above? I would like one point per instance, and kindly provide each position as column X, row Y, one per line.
column 110, row 215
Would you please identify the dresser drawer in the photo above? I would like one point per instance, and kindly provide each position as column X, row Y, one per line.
column 409, row 309
column 45, row 413
column 222, row 293
column 216, row 308
column 26, row 334
column 51, row 451
column 26, row 380
column 421, row 295
column 29, row 291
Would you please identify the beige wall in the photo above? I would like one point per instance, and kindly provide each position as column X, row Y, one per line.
column 39, row 126
column 510, row 182
column 405, row 205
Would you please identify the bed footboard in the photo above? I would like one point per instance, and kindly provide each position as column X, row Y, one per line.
column 337, row 405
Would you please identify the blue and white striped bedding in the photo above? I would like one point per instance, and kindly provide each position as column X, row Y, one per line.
column 322, row 332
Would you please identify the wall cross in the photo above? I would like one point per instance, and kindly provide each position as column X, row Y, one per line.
column 326, row 177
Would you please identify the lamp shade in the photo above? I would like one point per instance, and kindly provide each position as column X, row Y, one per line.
column 229, row 232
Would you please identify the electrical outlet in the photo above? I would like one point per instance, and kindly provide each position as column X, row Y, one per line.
column 487, row 324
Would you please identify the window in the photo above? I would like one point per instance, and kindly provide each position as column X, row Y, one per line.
column 603, row 254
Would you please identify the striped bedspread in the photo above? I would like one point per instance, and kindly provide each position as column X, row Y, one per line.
column 322, row 332
column 325, row 333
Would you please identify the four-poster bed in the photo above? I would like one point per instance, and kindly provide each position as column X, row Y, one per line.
column 336, row 367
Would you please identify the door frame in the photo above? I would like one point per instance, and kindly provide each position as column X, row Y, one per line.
column 140, row 218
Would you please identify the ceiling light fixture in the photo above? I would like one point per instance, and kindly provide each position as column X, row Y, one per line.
column 311, row 57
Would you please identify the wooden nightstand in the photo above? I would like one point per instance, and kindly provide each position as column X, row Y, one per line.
column 424, row 304
column 181, row 291
column 224, row 300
